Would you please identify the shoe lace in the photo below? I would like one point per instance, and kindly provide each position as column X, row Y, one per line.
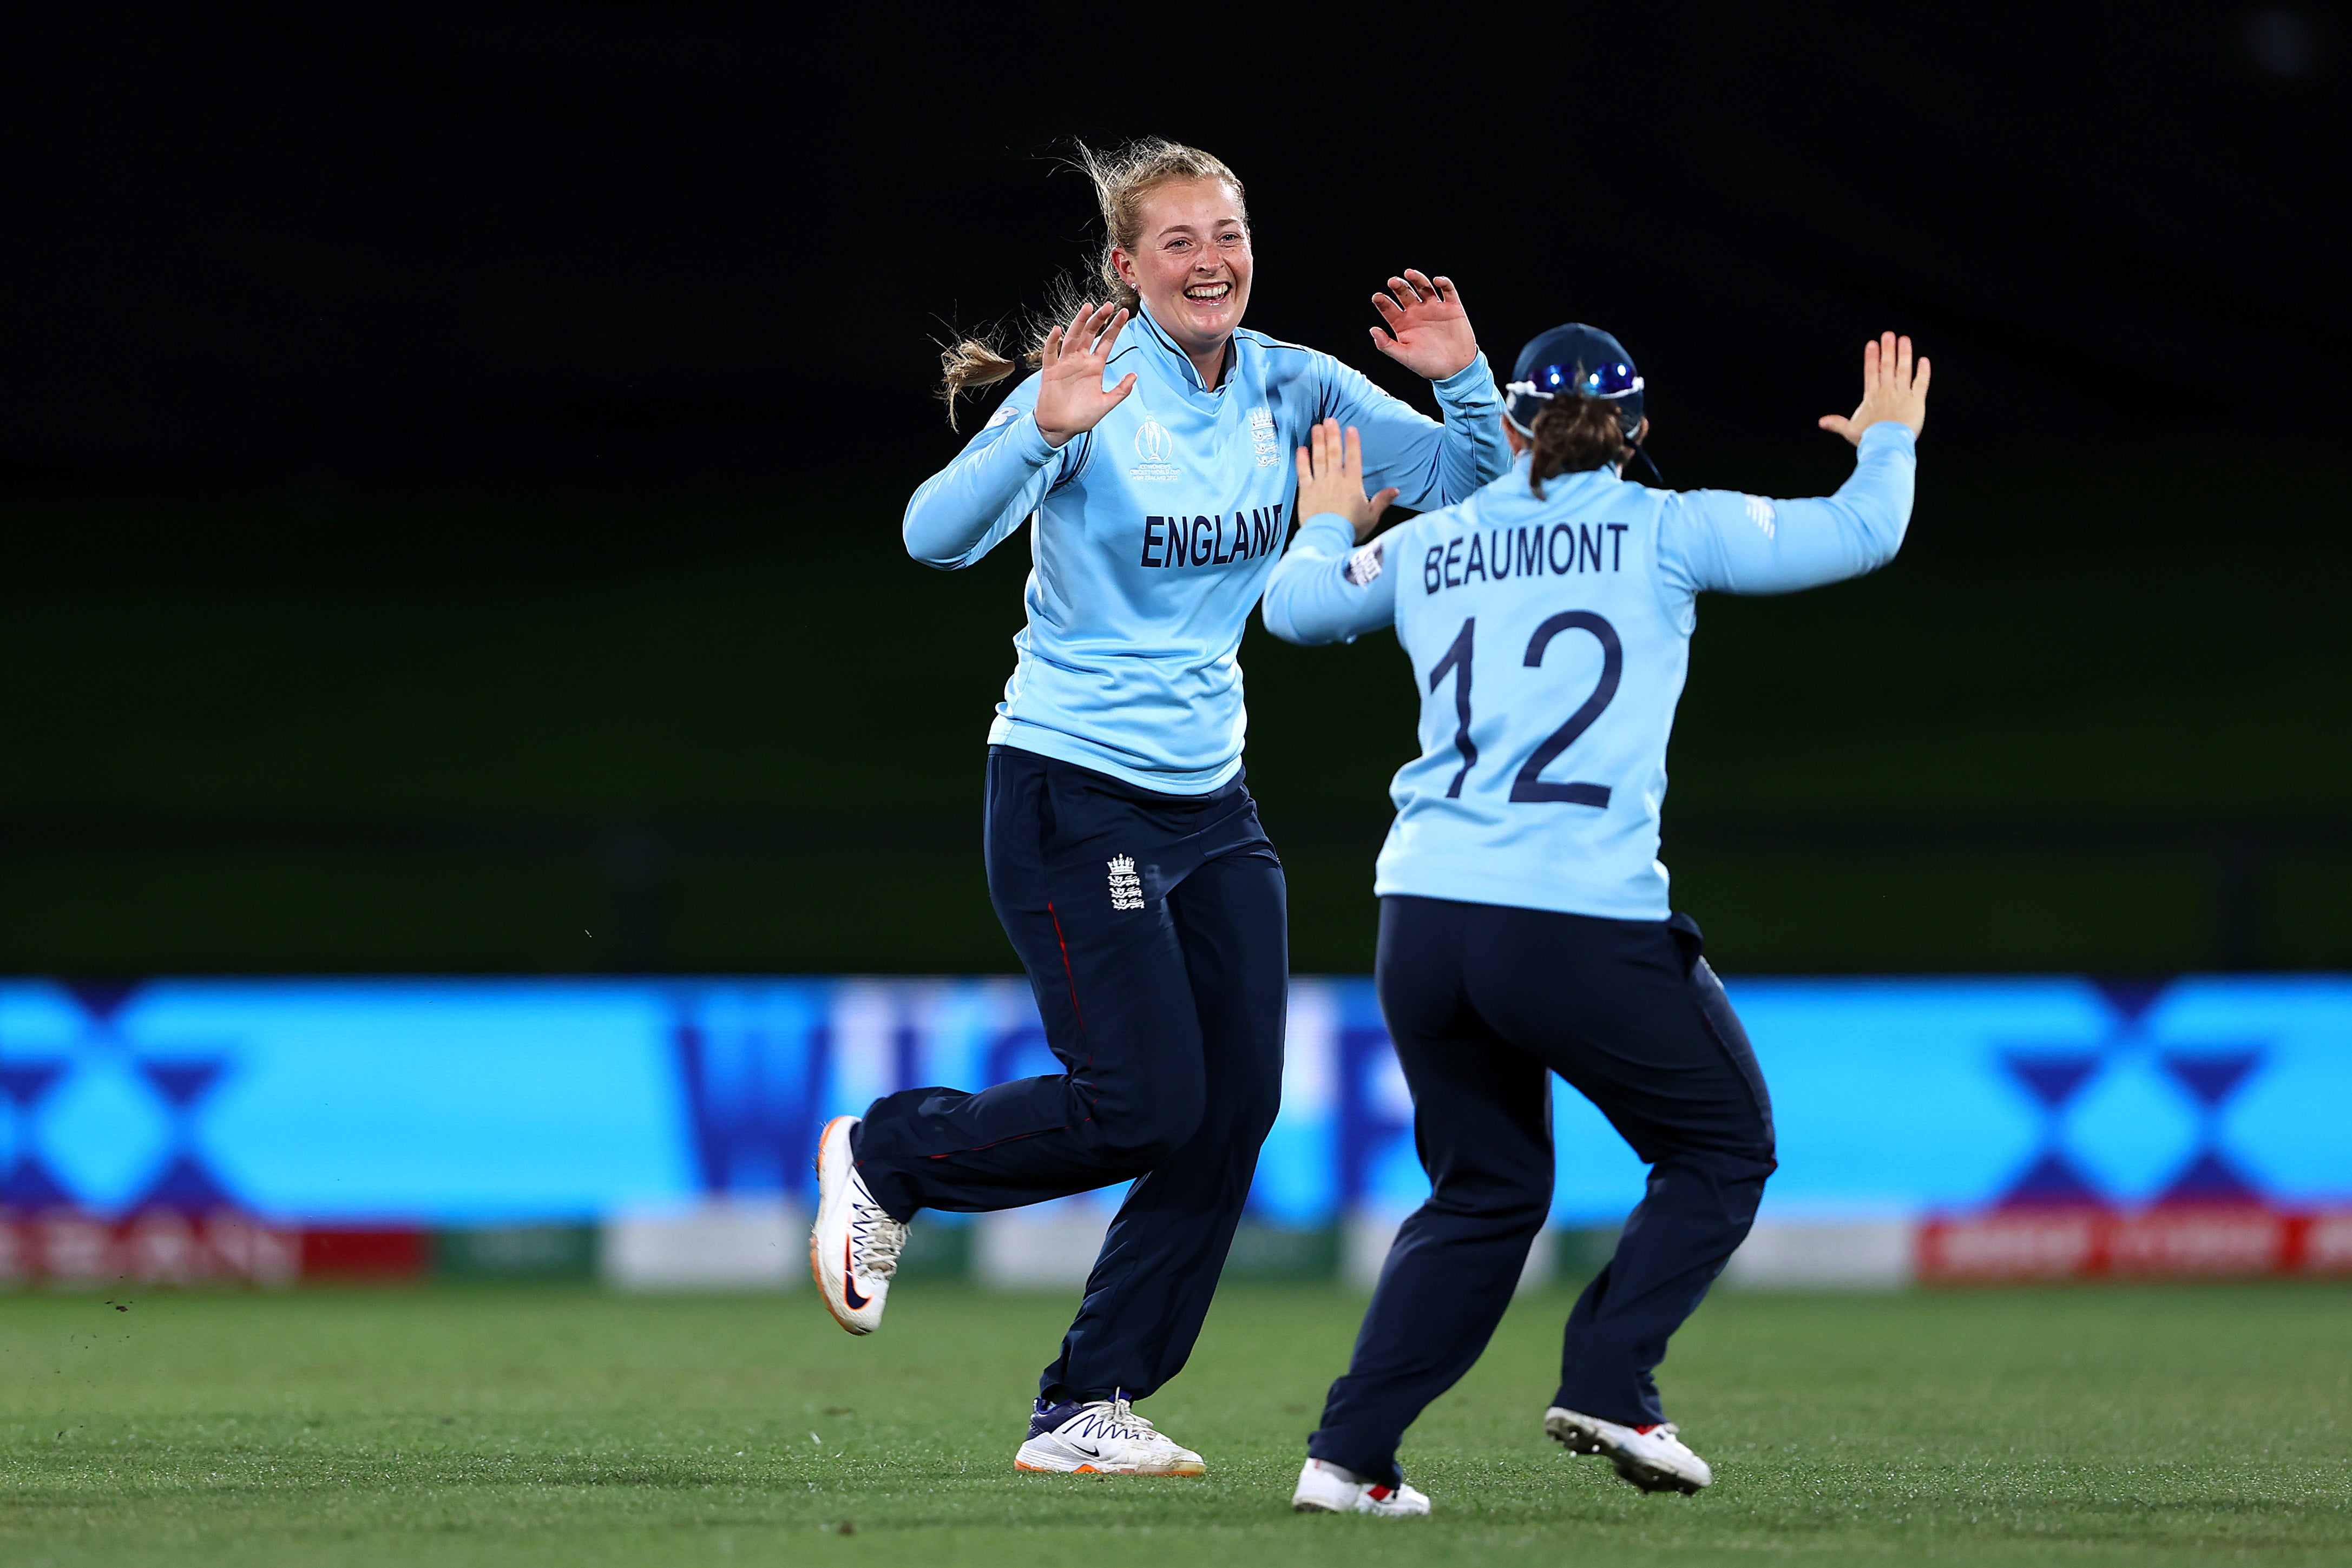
column 1114, row 1418
column 877, row 1241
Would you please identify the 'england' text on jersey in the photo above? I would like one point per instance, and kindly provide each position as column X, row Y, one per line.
column 1201, row 541
column 1563, row 549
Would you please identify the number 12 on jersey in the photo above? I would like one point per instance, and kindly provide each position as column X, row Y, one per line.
column 1529, row 783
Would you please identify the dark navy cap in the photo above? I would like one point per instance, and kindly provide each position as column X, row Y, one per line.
column 1579, row 361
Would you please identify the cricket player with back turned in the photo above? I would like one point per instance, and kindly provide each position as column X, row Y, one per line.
column 1525, row 927
column 1150, row 454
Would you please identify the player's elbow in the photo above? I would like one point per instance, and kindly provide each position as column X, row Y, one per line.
column 1305, row 635
column 1883, row 537
column 923, row 546
column 1292, row 616
column 1863, row 536
column 1287, row 629
column 1281, row 618
column 1883, row 518
column 932, row 535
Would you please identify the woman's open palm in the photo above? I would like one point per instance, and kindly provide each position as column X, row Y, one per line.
column 1331, row 479
column 1070, row 395
column 1890, row 390
column 1428, row 331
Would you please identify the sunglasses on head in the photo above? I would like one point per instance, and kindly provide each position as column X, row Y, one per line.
column 1615, row 381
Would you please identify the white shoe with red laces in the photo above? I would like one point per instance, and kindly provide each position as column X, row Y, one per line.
column 854, row 1245
column 1327, row 1487
column 1654, row 1457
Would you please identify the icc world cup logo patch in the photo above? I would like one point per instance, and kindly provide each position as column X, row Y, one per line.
column 1151, row 446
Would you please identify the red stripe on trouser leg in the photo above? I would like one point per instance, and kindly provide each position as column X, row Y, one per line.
column 1067, row 973
column 1070, row 977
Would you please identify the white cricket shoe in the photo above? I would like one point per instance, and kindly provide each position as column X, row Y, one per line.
column 1101, row 1437
column 1654, row 1457
column 1327, row 1487
column 854, row 1245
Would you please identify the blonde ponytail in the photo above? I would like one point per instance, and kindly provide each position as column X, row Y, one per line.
column 969, row 362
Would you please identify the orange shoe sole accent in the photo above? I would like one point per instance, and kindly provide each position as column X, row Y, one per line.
column 816, row 1269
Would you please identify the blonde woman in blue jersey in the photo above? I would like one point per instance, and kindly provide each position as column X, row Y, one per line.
column 1525, row 928
column 1150, row 456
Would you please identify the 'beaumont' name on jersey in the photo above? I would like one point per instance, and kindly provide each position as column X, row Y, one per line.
column 1562, row 550
column 1201, row 541
column 1542, row 788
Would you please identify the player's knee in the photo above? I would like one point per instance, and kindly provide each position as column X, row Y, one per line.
column 1501, row 1203
column 1254, row 1116
column 1151, row 1128
column 1521, row 1215
column 1525, row 1211
column 1738, row 1173
column 1741, row 1142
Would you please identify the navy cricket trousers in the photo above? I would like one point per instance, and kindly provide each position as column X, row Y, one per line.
column 1483, row 1002
column 1153, row 930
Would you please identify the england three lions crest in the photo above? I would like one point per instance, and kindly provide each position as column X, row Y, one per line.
column 1262, row 443
column 1125, row 887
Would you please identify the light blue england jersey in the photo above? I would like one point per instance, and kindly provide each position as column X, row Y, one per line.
column 1549, row 638
column 1157, row 529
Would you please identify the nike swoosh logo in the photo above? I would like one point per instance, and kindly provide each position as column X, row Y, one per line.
column 858, row 1303
column 1088, row 1450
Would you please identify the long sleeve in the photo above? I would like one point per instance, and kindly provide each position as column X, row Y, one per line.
column 1431, row 464
column 1745, row 544
column 969, row 506
column 1328, row 590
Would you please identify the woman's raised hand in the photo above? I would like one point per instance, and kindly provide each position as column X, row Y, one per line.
column 1070, row 396
column 1890, row 390
column 1331, row 479
column 1428, row 331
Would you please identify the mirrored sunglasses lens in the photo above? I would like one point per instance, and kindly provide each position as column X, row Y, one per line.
column 1608, row 381
column 1604, row 381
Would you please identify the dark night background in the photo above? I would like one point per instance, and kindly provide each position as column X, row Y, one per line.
column 450, row 461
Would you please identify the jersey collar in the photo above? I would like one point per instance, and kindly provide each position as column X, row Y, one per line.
column 1179, row 364
column 1524, row 465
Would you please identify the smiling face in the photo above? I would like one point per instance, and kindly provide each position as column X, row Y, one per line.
column 1191, row 263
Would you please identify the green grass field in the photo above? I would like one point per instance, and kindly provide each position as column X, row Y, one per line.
column 551, row 1424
